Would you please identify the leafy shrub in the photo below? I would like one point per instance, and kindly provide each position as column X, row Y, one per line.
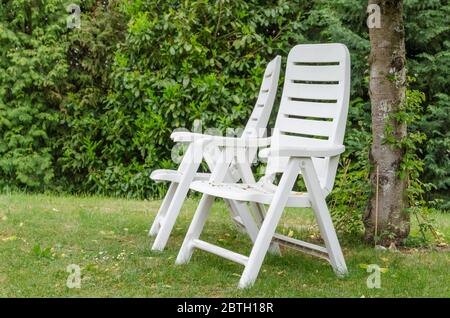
column 428, row 50
column 349, row 197
column 90, row 55
column 437, row 158
column 33, row 69
column 181, row 61
column 91, row 109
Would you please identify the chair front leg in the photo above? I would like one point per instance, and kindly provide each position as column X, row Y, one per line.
column 255, row 219
column 162, row 210
column 219, row 173
column 323, row 216
column 195, row 229
column 188, row 168
column 269, row 224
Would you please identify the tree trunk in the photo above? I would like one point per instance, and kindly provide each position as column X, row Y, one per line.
column 386, row 220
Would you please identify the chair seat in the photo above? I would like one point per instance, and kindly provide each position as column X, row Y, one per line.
column 174, row 175
column 248, row 192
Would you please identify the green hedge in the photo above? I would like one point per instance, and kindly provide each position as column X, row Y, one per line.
column 91, row 109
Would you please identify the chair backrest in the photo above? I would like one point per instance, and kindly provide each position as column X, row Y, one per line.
column 257, row 123
column 314, row 105
column 259, row 118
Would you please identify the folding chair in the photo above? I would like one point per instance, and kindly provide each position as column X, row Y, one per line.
column 307, row 140
column 197, row 150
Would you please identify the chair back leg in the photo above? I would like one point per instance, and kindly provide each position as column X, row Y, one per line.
column 188, row 168
column 323, row 217
column 162, row 210
column 246, row 217
column 259, row 214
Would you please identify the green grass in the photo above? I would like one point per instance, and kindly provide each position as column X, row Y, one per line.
column 41, row 235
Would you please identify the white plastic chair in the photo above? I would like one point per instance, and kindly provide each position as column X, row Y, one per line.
column 307, row 140
column 197, row 150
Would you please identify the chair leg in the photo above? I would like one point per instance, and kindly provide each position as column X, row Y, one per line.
column 174, row 208
column 163, row 209
column 269, row 225
column 259, row 213
column 323, row 217
column 195, row 229
column 188, row 168
column 218, row 174
column 247, row 219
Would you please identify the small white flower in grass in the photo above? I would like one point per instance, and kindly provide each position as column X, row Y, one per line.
column 10, row 238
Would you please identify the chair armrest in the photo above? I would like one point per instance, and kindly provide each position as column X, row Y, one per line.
column 229, row 142
column 186, row 136
column 239, row 142
column 309, row 151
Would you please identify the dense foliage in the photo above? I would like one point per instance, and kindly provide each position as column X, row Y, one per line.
column 181, row 61
column 91, row 109
column 33, row 70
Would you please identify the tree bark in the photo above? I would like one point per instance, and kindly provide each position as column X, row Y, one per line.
column 386, row 220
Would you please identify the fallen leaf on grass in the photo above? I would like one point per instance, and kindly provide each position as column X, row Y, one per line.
column 108, row 233
column 366, row 266
column 8, row 239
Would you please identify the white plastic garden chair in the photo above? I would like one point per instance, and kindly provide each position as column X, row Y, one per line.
column 307, row 140
column 197, row 150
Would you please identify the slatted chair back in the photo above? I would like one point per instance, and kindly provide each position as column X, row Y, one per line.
column 314, row 105
column 259, row 118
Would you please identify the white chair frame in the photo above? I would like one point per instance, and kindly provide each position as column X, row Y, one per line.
column 314, row 105
column 198, row 150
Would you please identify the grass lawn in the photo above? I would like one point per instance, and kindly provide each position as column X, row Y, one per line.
column 40, row 235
